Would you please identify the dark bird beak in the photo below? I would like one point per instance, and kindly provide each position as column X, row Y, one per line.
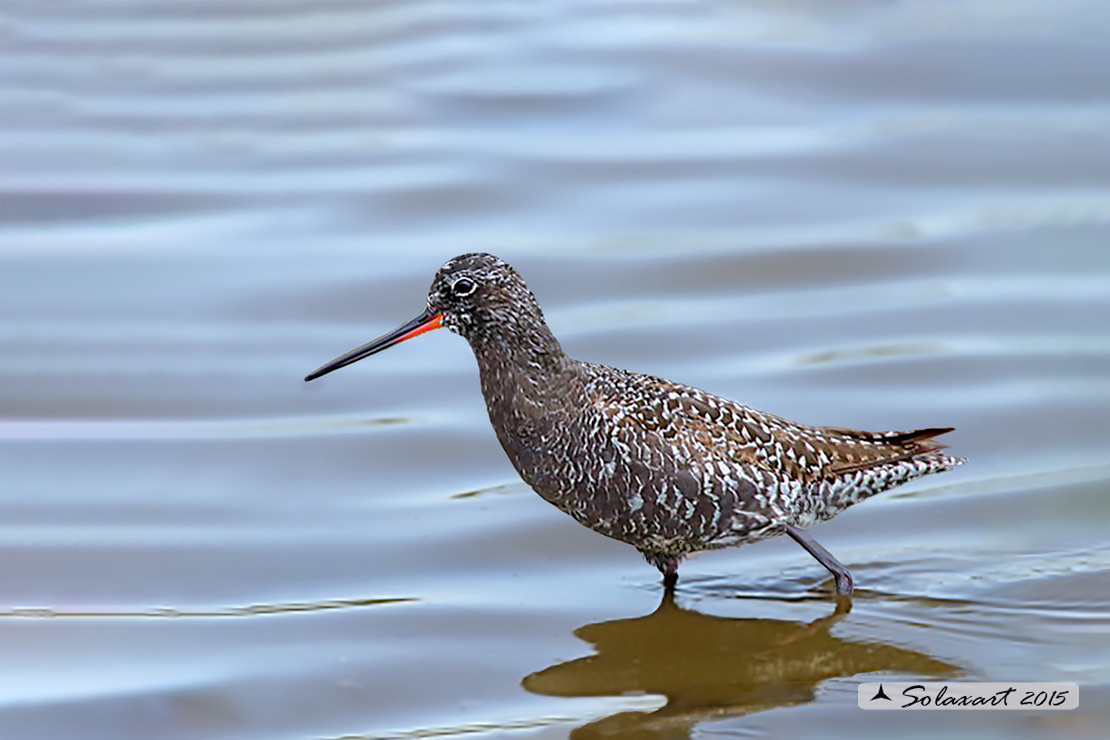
column 422, row 322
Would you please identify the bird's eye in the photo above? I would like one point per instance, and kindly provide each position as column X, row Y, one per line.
column 463, row 287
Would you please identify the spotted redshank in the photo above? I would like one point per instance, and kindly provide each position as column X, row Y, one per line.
column 669, row 469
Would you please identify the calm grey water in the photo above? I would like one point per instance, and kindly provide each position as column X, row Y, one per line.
column 880, row 215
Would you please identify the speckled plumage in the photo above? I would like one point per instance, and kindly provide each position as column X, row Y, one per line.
column 669, row 469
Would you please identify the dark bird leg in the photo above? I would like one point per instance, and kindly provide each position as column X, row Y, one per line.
column 667, row 565
column 824, row 557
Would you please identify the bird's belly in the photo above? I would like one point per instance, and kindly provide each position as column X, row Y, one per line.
column 652, row 502
column 670, row 516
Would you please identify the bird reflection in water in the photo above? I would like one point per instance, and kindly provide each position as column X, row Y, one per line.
column 711, row 667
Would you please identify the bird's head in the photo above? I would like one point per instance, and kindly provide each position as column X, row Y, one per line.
column 477, row 296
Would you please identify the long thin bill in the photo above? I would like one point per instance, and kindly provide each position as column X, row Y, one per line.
column 422, row 322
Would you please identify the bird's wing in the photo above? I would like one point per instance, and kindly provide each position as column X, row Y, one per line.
column 700, row 428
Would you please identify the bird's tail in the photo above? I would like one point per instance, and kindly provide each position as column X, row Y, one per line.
column 887, row 448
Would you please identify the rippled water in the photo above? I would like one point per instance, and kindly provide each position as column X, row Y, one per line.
column 880, row 215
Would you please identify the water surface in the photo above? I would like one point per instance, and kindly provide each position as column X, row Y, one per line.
column 876, row 215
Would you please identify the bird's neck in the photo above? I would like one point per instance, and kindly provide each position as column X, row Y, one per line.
column 527, row 362
column 527, row 381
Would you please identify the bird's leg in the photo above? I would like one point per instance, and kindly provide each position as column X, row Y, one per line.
column 824, row 557
column 667, row 565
